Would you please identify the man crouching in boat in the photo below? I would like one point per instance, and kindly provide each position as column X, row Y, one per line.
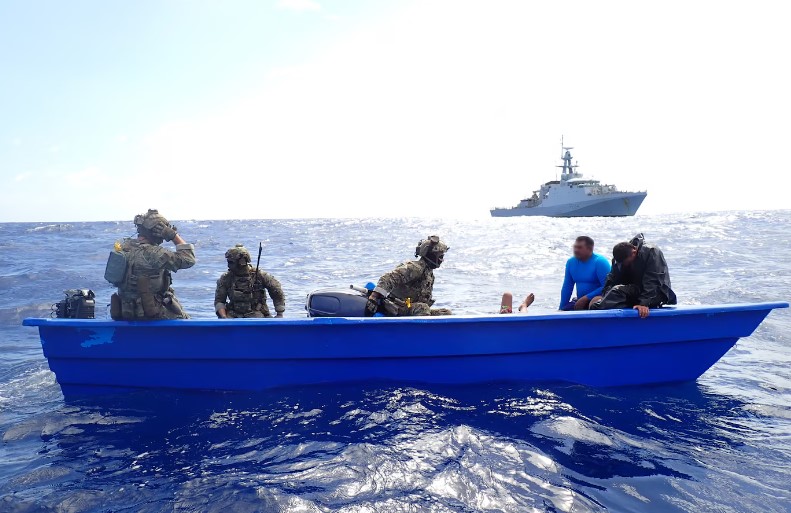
column 245, row 289
column 407, row 289
column 144, row 290
column 639, row 279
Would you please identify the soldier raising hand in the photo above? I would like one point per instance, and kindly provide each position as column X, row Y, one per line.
column 144, row 275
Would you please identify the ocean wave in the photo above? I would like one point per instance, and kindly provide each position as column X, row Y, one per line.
column 718, row 445
column 51, row 228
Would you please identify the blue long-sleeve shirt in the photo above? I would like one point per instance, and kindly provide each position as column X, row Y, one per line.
column 588, row 276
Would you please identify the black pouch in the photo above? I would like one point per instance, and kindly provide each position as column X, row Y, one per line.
column 150, row 307
column 115, row 308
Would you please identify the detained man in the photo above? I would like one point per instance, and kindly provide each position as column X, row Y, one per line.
column 639, row 279
column 587, row 272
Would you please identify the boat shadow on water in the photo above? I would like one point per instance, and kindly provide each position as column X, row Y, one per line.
column 384, row 446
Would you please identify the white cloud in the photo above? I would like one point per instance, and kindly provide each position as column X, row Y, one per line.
column 121, row 138
column 21, row 177
column 298, row 5
column 16, row 141
column 55, row 148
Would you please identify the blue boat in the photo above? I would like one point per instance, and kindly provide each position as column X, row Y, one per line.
column 603, row 348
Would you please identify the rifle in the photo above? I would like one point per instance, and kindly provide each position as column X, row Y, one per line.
column 257, row 264
column 391, row 304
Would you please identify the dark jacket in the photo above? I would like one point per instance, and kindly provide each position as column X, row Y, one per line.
column 649, row 273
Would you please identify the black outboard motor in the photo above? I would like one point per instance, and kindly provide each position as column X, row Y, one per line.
column 79, row 304
column 337, row 302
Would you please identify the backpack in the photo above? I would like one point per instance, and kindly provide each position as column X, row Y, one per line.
column 115, row 272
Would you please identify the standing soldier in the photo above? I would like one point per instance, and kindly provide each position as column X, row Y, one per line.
column 244, row 290
column 141, row 269
column 407, row 290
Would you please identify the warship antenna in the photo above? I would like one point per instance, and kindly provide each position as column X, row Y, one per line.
column 568, row 167
column 561, row 157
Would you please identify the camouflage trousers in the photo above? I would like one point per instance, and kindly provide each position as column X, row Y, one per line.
column 422, row 309
column 170, row 308
column 398, row 308
column 249, row 315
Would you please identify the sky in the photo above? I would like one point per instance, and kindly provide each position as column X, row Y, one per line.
column 242, row 109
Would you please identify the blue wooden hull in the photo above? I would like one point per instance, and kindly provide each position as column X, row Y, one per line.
column 608, row 348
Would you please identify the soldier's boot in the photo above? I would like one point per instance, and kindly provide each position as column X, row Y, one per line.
column 420, row 309
column 441, row 311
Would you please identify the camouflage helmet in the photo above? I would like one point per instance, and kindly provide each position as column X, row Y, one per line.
column 146, row 222
column 432, row 250
column 237, row 252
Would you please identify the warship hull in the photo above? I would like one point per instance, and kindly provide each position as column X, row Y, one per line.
column 611, row 205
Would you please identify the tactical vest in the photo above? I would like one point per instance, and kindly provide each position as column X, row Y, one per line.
column 419, row 290
column 243, row 296
column 156, row 281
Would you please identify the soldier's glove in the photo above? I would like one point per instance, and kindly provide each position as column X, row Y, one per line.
column 371, row 307
column 167, row 232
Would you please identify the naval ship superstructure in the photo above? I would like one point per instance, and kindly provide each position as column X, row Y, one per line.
column 575, row 196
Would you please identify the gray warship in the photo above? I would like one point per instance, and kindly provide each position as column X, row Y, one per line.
column 575, row 196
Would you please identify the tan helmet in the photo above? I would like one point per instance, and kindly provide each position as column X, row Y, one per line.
column 432, row 250
column 146, row 222
column 237, row 252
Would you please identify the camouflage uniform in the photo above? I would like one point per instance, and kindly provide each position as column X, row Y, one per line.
column 414, row 280
column 246, row 299
column 149, row 267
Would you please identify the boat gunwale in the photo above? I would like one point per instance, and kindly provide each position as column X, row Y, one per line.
column 670, row 311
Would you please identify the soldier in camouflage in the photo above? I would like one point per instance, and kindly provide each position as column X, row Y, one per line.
column 407, row 290
column 241, row 293
column 146, row 292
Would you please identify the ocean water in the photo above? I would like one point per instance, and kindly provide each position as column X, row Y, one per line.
column 720, row 444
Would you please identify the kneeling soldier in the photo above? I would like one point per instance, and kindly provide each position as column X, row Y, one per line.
column 242, row 293
column 407, row 290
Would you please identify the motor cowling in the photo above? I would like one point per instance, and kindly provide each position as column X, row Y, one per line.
column 336, row 303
